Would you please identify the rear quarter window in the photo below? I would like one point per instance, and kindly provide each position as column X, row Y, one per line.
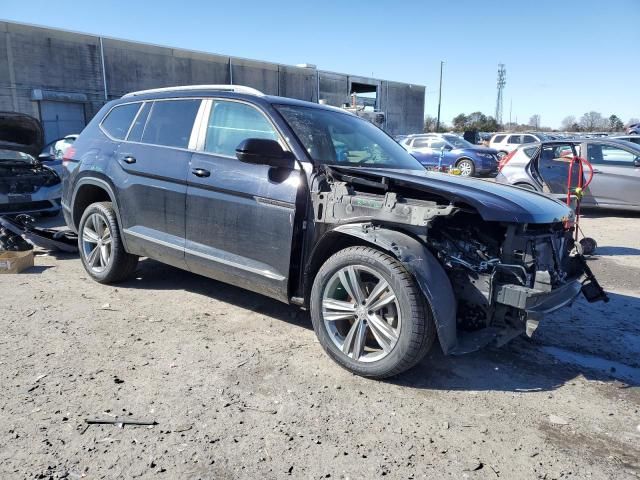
column 118, row 120
column 529, row 151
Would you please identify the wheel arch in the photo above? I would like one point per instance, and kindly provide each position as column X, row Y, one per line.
column 89, row 190
column 416, row 258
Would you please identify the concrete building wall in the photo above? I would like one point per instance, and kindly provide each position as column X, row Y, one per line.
column 42, row 64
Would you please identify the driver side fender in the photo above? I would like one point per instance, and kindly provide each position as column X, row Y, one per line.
column 420, row 262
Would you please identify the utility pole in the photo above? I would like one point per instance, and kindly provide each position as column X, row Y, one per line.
column 439, row 98
column 510, row 108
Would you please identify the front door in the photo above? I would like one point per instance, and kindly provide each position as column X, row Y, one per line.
column 616, row 179
column 240, row 216
column 151, row 170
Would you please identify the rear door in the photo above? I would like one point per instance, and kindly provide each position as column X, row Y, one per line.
column 512, row 142
column 240, row 216
column 553, row 164
column 421, row 150
column 150, row 172
column 616, row 180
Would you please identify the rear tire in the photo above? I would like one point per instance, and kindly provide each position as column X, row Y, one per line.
column 101, row 250
column 380, row 335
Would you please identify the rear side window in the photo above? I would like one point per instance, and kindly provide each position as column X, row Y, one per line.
column 232, row 122
column 529, row 139
column 170, row 122
column 420, row 142
column 135, row 134
column 118, row 120
column 498, row 138
column 516, row 139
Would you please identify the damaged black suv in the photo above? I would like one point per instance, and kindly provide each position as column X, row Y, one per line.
column 314, row 206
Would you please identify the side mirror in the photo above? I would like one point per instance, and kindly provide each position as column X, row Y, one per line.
column 261, row 151
column 45, row 156
column 636, row 162
column 448, row 148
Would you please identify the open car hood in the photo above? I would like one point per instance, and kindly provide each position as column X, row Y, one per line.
column 494, row 202
column 20, row 133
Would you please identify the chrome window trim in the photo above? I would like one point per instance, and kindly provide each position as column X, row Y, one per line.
column 103, row 130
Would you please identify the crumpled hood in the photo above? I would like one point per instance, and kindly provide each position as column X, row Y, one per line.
column 494, row 202
column 20, row 133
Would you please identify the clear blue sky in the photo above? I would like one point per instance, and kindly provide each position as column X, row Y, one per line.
column 563, row 57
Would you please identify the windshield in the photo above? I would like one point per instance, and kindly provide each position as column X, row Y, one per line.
column 458, row 142
column 335, row 138
column 11, row 155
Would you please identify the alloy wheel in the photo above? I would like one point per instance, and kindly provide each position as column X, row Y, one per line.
column 466, row 168
column 361, row 313
column 96, row 243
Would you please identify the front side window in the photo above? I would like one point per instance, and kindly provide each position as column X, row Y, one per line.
column 458, row 142
column 602, row 154
column 529, row 139
column 118, row 120
column 341, row 139
column 437, row 144
column 170, row 122
column 498, row 138
column 232, row 122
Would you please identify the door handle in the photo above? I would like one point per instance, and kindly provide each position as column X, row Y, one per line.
column 201, row 172
column 129, row 159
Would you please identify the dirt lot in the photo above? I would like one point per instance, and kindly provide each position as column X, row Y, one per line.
column 241, row 389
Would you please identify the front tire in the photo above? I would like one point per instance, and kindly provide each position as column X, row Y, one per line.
column 369, row 315
column 101, row 250
column 467, row 167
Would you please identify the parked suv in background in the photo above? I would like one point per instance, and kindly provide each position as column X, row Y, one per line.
column 436, row 151
column 311, row 205
column 507, row 142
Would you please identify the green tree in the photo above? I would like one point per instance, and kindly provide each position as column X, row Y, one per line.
column 615, row 124
column 460, row 122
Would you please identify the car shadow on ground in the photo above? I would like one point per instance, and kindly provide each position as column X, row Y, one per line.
column 153, row 275
column 613, row 250
column 598, row 341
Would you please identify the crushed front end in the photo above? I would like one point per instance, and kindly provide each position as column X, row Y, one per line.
column 506, row 277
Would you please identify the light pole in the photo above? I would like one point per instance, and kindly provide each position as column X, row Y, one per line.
column 439, row 98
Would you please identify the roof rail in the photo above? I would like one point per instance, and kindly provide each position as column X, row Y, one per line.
column 223, row 88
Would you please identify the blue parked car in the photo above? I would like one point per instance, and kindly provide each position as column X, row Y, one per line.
column 441, row 151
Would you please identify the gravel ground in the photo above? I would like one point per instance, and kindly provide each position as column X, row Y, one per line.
column 241, row 389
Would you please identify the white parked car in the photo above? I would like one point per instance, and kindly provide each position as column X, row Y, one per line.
column 507, row 142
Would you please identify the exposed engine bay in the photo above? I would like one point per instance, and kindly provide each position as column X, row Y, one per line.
column 505, row 275
column 22, row 177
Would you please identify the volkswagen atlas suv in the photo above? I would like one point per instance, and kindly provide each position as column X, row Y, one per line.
column 314, row 206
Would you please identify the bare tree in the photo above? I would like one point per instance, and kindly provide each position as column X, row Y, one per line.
column 592, row 121
column 567, row 123
column 534, row 121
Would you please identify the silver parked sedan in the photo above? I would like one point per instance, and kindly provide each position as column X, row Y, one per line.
column 544, row 167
